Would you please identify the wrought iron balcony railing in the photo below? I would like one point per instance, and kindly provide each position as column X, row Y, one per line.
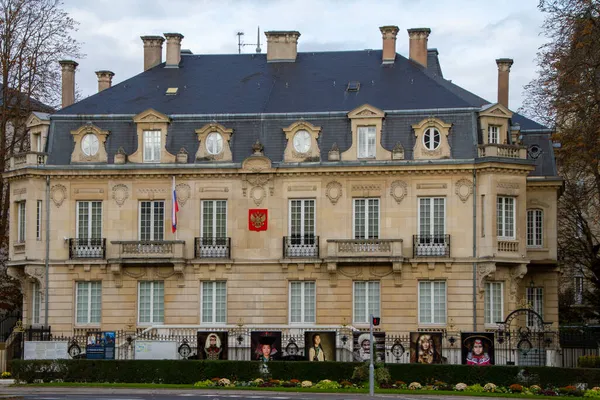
column 87, row 248
column 431, row 245
column 306, row 246
column 212, row 247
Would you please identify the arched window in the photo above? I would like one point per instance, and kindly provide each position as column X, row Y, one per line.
column 431, row 139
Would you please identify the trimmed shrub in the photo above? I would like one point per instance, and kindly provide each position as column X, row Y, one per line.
column 588, row 362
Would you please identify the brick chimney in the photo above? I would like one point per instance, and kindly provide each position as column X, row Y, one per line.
column 173, row 49
column 282, row 46
column 68, row 82
column 389, row 34
column 104, row 79
column 504, row 65
column 152, row 51
column 418, row 45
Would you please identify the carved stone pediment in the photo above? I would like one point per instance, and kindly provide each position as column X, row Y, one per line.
column 256, row 164
column 496, row 110
column 366, row 111
column 151, row 116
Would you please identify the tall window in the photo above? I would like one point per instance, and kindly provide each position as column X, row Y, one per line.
column 535, row 220
column 578, row 290
column 432, row 217
column 89, row 219
column 152, row 220
column 535, row 297
column 366, row 141
column 493, row 134
column 151, row 302
column 38, row 221
column 152, row 146
column 366, row 300
column 89, row 302
column 37, row 140
column 302, row 302
column 505, row 215
column 36, row 303
column 366, row 218
column 214, row 218
column 431, row 138
column 302, row 221
column 432, row 302
column 21, row 222
column 214, row 302
column 494, row 302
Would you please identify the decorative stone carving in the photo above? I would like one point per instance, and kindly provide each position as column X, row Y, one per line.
column 19, row 274
column 182, row 156
column 431, row 186
column 120, row 193
column 256, row 163
column 359, row 188
column 258, row 192
column 333, row 192
column 334, row 153
column 88, row 129
column 58, row 194
column 537, row 203
column 507, row 185
column 308, row 188
column 420, row 151
column 398, row 152
column 398, row 190
column 120, row 156
column 484, row 271
column 366, row 116
column 313, row 153
column 516, row 275
column 17, row 192
column 152, row 120
column 37, row 273
column 151, row 193
column 183, row 191
column 257, row 148
column 463, row 189
column 204, row 132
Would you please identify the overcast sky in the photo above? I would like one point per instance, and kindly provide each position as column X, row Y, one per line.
column 469, row 34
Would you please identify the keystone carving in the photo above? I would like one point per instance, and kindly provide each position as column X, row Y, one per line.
column 516, row 275
column 484, row 272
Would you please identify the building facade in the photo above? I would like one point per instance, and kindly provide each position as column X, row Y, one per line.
column 313, row 189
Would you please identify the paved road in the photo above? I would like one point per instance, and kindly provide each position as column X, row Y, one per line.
column 47, row 393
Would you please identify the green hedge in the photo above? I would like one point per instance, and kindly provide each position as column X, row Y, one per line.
column 588, row 362
column 188, row 372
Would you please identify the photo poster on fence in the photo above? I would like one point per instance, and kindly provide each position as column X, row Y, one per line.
column 45, row 350
column 212, row 345
column 100, row 346
column 477, row 348
column 319, row 346
column 426, row 347
column 362, row 346
column 266, row 345
column 155, row 350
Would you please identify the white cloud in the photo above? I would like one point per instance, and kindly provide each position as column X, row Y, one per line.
column 469, row 34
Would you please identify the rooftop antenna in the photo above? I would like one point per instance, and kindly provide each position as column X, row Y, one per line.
column 242, row 44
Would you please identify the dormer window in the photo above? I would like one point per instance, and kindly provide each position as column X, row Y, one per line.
column 366, row 141
column 431, row 139
column 152, row 146
column 89, row 145
column 38, row 142
column 493, row 134
column 214, row 143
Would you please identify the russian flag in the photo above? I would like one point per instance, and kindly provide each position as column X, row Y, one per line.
column 175, row 209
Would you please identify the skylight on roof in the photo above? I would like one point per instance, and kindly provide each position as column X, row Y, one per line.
column 172, row 91
column 353, row 86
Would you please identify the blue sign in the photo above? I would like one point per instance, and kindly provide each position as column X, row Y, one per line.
column 100, row 346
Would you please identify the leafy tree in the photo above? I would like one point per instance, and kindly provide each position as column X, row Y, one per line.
column 34, row 36
column 566, row 96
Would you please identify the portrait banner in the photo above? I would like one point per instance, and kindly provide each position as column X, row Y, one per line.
column 477, row 348
column 426, row 347
column 100, row 346
column 212, row 345
column 362, row 346
column 266, row 345
column 319, row 346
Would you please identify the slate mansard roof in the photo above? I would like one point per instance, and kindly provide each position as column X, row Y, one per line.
column 257, row 99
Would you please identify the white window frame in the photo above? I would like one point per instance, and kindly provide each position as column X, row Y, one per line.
column 535, row 297
column 21, row 221
column 430, row 320
column 366, row 137
column 36, row 303
column 431, row 215
column 152, row 300
column 367, row 305
column 535, row 228
column 38, row 220
column 432, row 131
column 490, row 290
column 214, row 218
column 88, row 301
column 368, row 227
column 493, row 134
column 501, row 229
column 303, row 317
column 152, row 145
column 152, row 219
column 304, row 204
column 214, row 303
column 90, row 229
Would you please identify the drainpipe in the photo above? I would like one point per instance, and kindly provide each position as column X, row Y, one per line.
column 474, row 250
column 47, row 277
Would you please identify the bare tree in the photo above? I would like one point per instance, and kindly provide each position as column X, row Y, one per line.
column 34, row 36
column 566, row 96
